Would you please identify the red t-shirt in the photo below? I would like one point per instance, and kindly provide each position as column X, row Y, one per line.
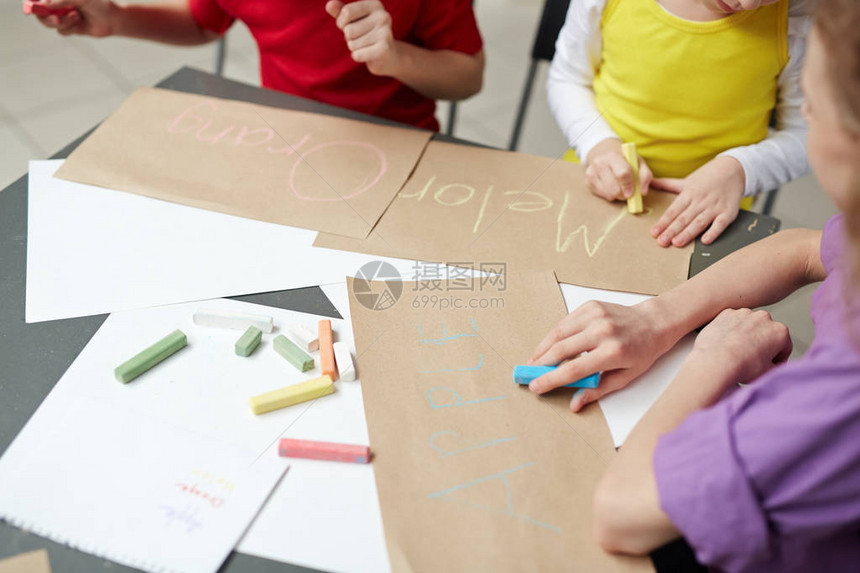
column 303, row 52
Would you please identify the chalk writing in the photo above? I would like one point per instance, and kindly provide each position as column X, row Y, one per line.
column 214, row 479
column 482, row 445
column 460, row 194
column 199, row 122
column 506, row 509
column 590, row 249
column 445, row 336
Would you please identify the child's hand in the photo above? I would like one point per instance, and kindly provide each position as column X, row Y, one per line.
column 608, row 175
column 710, row 195
column 366, row 26
column 90, row 17
column 738, row 346
column 620, row 341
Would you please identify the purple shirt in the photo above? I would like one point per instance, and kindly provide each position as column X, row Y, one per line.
column 768, row 479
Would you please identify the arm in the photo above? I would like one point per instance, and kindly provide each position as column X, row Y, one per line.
column 169, row 22
column 436, row 74
column 738, row 346
column 623, row 342
column 781, row 157
column 571, row 99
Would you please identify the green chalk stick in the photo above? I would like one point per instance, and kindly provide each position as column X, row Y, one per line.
column 294, row 355
column 249, row 341
column 164, row 348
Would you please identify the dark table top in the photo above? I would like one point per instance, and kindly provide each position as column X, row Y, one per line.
column 33, row 357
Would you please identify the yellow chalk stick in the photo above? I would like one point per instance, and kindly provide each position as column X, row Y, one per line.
column 634, row 204
column 289, row 395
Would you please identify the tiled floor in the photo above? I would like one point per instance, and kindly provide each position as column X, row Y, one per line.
column 52, row 89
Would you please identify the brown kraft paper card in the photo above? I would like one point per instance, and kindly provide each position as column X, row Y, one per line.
column 293, row 168
column 466, row 205
column 474, row 472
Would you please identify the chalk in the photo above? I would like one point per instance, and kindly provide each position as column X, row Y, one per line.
column 248, row 343
column 289, row 395
column 234, row 320
column 343, row 361
column 329, row 451
column 294, row 355
column 327, row 362
column 38, row 9
column 634, row 204
column 140, row 363
column 305, row 337
column 525, row 374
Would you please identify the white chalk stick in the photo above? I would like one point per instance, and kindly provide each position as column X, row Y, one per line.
column 343, row 359
column 304, row 337
column 234, row 320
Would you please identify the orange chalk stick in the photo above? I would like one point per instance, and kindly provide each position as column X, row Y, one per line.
column 327, row 363
column 310, row 450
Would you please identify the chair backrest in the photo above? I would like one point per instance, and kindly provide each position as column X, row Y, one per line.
column 551, row 21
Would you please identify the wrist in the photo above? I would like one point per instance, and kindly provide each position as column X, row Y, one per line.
column 707, row 375
column 666, row 326
column 735, row 175
column 399, row 60
column 117, row 20
column 608, row 145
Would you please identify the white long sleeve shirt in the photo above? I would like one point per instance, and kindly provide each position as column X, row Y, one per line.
column 768, row 164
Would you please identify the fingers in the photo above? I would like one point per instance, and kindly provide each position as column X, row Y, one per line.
column 333, row 8
column 566, row 349
column 570, row 325
column 355, row 11
column 568, row 372
column 623, row 174
column 669, row 184
column 609, row 382
column 691, row 230
column 357, row 29
column 678, row 206
column 370, row 53
column 65, row 24
column 719, row 225
column 645, row 177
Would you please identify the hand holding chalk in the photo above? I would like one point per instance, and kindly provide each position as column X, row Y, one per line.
column 366, row 27
column 620, row 341
column 82, row 17
column 609, row 175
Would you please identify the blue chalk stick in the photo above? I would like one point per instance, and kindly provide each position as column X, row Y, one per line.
column 525, row 374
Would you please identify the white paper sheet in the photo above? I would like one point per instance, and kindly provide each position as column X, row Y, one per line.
column 92, row 250
column 624, row 409
column 131, row 487
column 326, row 515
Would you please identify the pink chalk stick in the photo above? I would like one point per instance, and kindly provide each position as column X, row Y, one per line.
column 38, row 9
column 323, row 451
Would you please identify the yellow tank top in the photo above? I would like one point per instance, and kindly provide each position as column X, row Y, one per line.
column 685, row 91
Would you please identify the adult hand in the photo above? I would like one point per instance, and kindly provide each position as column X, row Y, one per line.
column 89, row 17
column 621, row 342
column 738, row 346
column 366, row 26
column 708, row 198
column 608, row 175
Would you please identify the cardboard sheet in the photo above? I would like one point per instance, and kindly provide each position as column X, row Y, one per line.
column 481, row 206
column 292, row 168
column 473, row 471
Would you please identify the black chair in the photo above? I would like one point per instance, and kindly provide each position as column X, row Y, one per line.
column 551, row 21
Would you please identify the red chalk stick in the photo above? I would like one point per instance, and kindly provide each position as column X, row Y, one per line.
column 38, row 9
column 323, row 451
column 327, row 362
